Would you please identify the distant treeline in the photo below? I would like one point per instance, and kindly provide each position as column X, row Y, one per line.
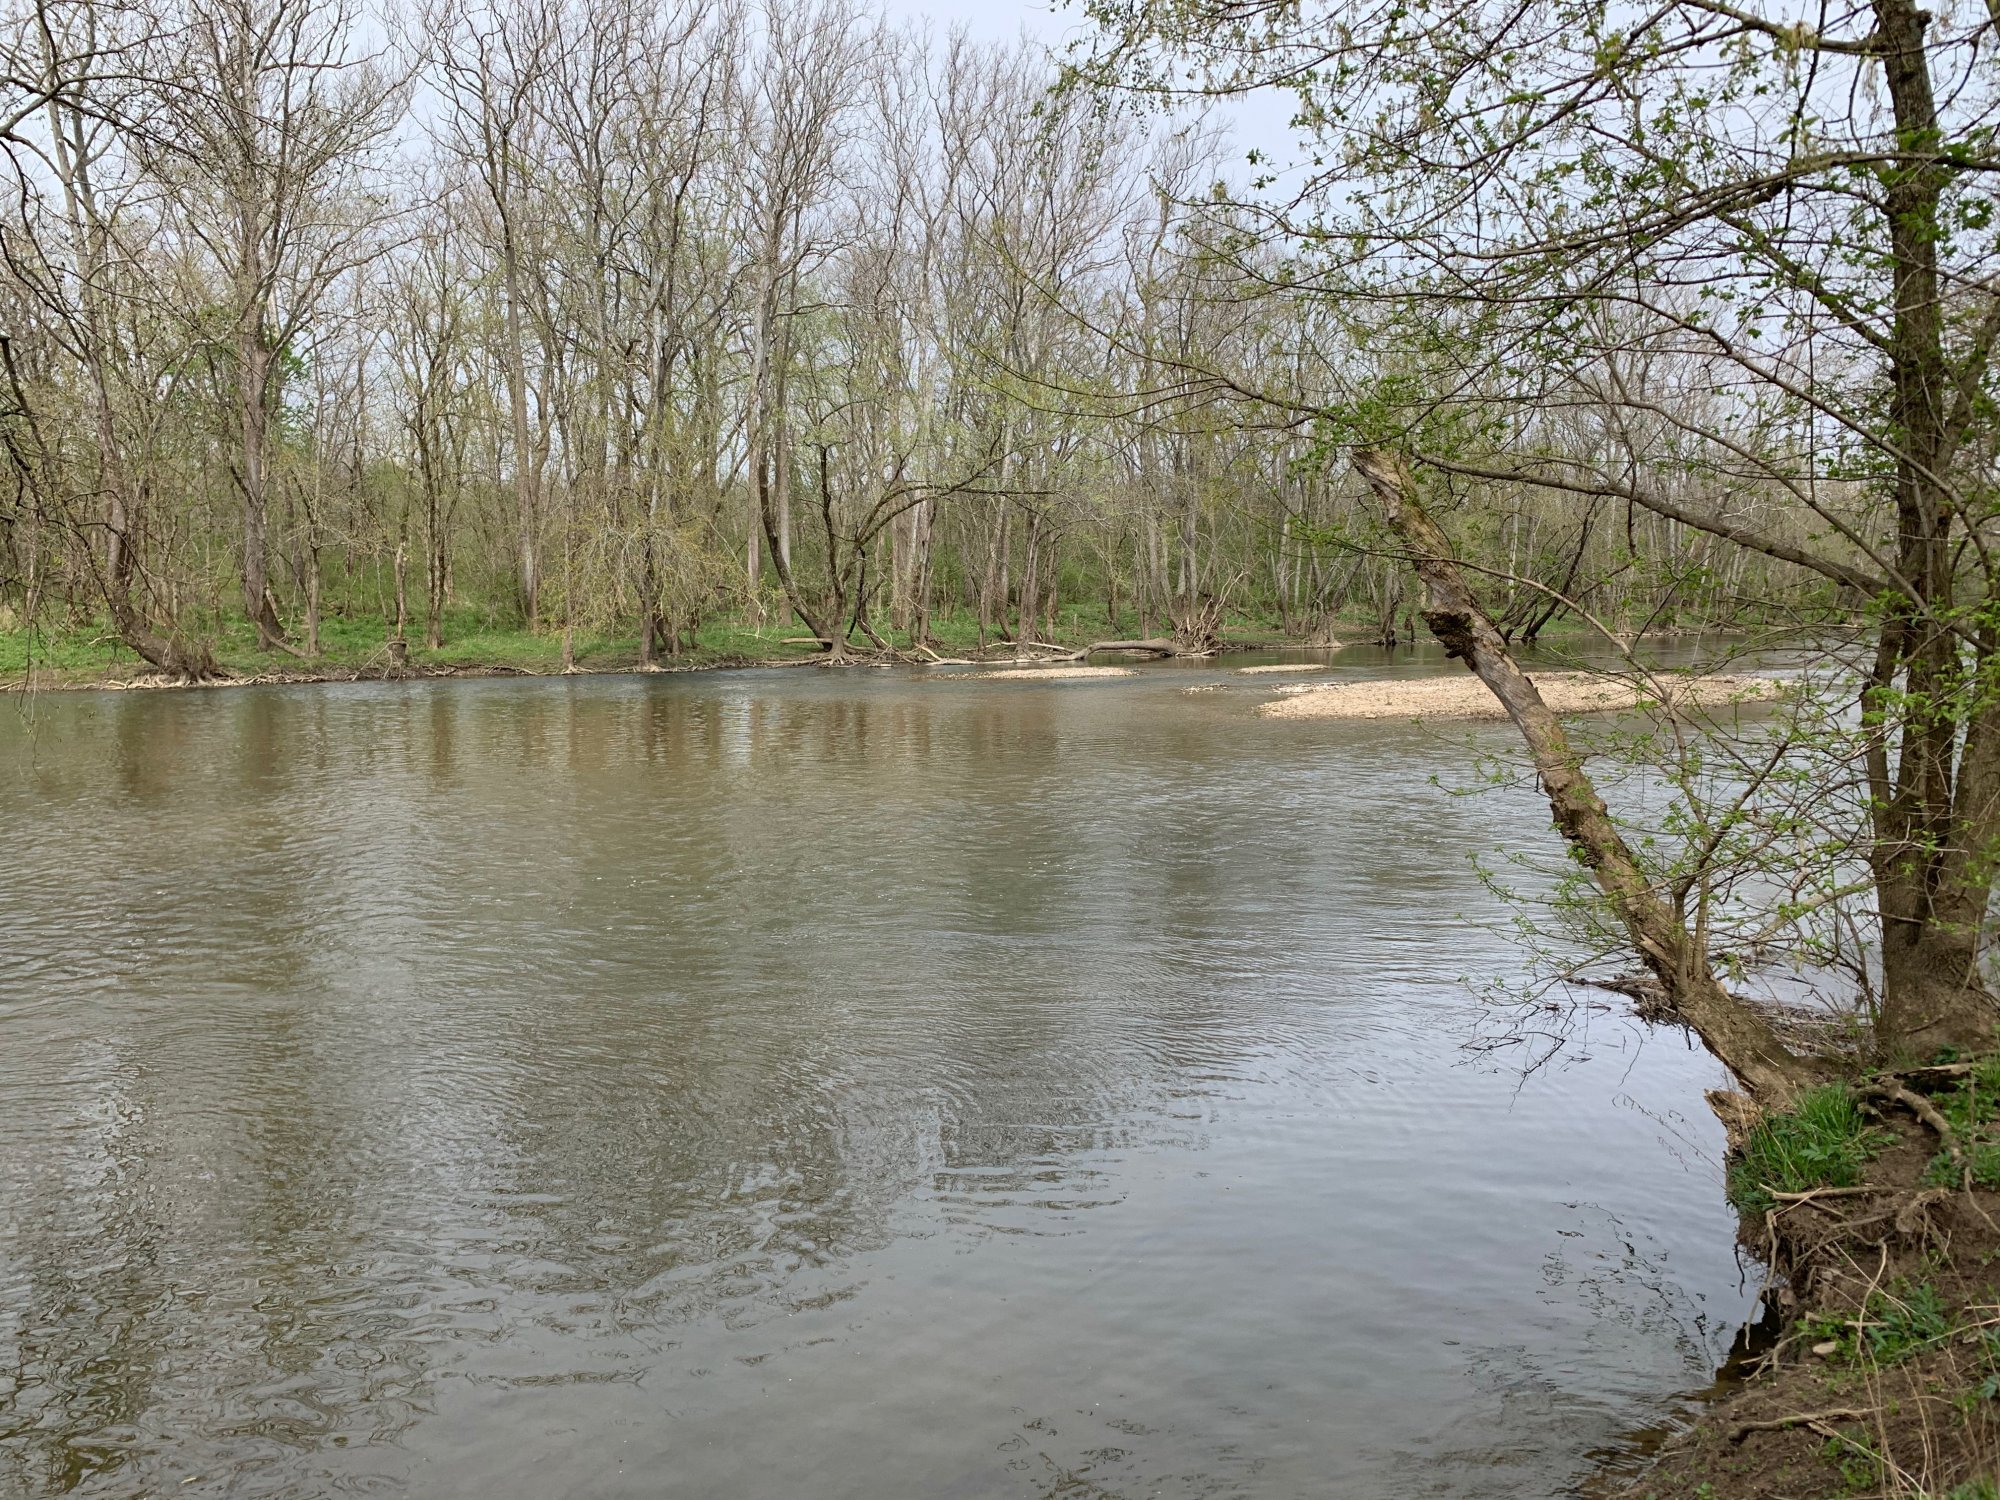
column 622, row 315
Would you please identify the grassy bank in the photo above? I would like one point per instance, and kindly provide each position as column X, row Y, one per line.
column 89, row 653
column 1877, row 1208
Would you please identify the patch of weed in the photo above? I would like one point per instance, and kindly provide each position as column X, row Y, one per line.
column 1859, row 1465
column 1904, row 1320
column 1987, row 1362
column 1973, row 1108
column 1824, row 1142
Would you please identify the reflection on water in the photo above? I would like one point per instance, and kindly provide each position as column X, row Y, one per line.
column 802, row 1083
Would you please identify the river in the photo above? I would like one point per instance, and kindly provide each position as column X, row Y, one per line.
column 792, row 1083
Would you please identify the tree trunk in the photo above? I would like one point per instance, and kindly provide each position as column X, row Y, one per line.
column 401, row 634
column 926, row 534
column 649, row 605
column 1743, row 1040
column 312, row 596
column 1030, row 577
column 781, row 554
column 527, row 500
column 253, row 364
column 1927, row 821
column 781, row 520
column 437, row 579
column 901, row 552
column 996, row 547
column 1003, row 588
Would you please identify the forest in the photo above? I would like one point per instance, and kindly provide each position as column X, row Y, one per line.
column 608, row 322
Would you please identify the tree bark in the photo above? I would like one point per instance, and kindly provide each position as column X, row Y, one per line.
column 527, row 497
column 1030, row 578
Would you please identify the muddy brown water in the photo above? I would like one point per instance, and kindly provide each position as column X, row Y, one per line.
column 805, row 1084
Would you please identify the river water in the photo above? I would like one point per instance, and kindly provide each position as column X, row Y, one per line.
column 860, row 1084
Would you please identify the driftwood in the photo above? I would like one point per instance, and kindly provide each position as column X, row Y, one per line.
column 1158, row 645
column 1197, row 626
column 1155, row 646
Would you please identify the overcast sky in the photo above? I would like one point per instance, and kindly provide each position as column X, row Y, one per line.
column 1256, row 121
column 992, row 20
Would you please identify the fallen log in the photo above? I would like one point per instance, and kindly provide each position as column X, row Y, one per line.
column 1152, row 646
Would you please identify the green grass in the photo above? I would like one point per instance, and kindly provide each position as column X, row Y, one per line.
column 471, row 638
column 1824, row 1142
column 1973, row 1109
column 1897, row 1323
column 1904, row 1321
column 357, row 638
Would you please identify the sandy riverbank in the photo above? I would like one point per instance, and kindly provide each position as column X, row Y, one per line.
column 1052, row 674
column 1463, row 696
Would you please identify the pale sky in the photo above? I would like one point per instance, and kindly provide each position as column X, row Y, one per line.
column 1256, row 121
column 991, row 20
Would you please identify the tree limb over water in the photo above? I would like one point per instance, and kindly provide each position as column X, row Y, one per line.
column 1744, row 1040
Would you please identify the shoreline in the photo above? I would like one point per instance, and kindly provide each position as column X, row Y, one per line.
column 1875, row 1366
column 1441, row 695
column 142, row 679
column 158, row 682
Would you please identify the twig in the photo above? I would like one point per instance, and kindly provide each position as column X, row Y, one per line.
column 1801, row 1419
column 1822, row 1192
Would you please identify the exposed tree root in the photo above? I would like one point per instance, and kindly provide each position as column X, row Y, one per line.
column 1888, row 1091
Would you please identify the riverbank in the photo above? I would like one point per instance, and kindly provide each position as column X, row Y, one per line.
column 1000, row 662
column 1877, row 1212
column 57, row 681
column 352, row 649
column 475, row 643
column 359, row 649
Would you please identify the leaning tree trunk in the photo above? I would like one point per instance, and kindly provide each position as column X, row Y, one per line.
column 1743, row 1040
column 775, row 525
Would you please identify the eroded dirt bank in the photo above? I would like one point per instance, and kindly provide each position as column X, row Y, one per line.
column 1885, row 1379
